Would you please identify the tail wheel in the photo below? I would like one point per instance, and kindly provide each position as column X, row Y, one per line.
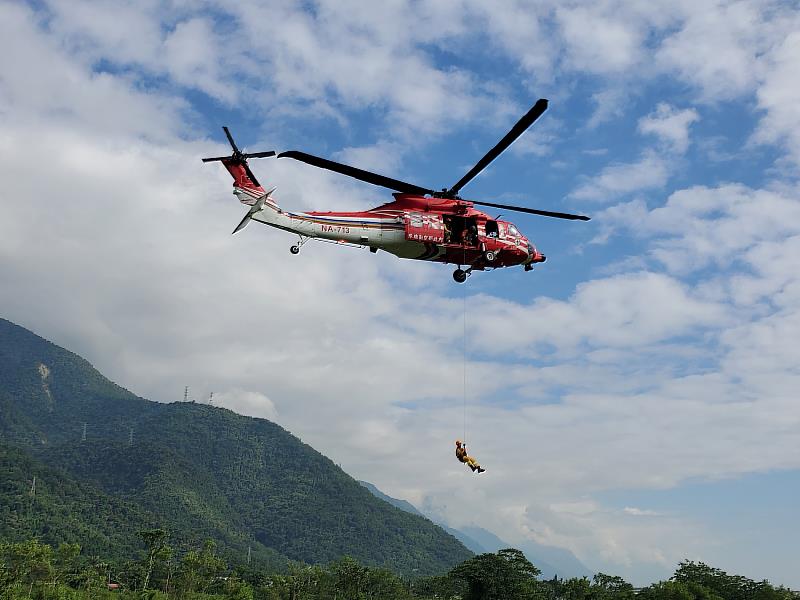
column 460, row 275
column 295, row 249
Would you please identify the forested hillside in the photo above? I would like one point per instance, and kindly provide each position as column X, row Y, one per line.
column 200, row 472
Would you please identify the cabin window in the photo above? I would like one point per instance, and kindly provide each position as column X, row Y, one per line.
column 491, row 229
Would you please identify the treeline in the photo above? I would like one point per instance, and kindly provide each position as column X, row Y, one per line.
column 31, row 570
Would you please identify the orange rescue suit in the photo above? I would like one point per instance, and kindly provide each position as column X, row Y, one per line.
column 461, row 454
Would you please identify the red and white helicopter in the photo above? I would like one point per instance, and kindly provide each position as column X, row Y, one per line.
column 419, row 223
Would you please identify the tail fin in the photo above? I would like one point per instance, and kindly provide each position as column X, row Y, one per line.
column 245, row 184
column 247, row 190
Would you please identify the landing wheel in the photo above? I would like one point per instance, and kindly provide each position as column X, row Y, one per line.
column 489, row 256
column 460, row 276
column 295, row 249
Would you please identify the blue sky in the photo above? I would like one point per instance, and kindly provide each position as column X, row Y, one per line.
column 643, row 375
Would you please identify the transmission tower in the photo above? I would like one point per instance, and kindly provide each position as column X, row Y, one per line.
column 186, row 394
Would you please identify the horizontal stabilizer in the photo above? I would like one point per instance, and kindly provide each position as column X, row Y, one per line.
column 257, row 207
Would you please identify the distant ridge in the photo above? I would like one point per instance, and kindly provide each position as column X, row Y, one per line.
column 552, row 561
column 197, row 470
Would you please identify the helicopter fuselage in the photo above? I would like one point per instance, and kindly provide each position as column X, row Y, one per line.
column 413, row 227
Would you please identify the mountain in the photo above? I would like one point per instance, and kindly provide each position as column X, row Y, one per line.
column 197, row 470
column 401, row 504
column 550, row 560
column 38, row 500
column 405, row 505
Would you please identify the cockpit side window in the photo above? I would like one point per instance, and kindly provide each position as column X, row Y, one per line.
column 512, row 230
column 491, row 229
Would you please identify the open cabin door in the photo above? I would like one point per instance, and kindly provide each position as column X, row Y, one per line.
column 424, row 227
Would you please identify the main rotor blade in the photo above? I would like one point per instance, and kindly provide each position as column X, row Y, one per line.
column 361, row 174
column 533, row 211
column 534, row 113
column 263, row 154
column 230, row 139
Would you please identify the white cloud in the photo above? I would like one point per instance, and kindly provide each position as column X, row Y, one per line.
column 625, row 311
column 650, row 171
column 190, row 55
column 100, row 104
column 598, row 42
column 610, row 103
column 382, row 157
column 670, row 125
column 700, row 226
column 639, row 512
column 780, row 98
column 716, row 47
column 246, row 402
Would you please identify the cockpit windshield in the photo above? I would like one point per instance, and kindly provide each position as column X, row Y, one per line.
column 512, row 230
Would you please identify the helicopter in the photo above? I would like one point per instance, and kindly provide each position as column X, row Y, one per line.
column 420, row 223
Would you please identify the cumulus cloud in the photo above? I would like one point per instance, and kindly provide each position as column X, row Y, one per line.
column 650, row 171
column 246, row 402
column 670, row 125
column 700, row 226
column 779, row 97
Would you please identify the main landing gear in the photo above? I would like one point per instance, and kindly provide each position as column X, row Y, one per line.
column 296, row 248
column 460, row 275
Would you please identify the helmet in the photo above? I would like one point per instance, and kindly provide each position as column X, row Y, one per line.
column 458, row 442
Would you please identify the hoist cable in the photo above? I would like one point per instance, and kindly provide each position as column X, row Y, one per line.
column 464, row 370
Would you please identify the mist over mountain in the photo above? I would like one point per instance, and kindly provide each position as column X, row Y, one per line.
column 551, row 560
column 197, row 470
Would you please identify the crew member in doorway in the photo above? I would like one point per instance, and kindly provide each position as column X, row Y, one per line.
column 461, row 454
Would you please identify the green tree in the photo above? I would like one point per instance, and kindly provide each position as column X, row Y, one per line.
column 705, row 581
column 382, row 584
column 349, row 578
column 506, row 575
column 200, row 570
column 155, row 540
column 65, row 563
column 610, row 587
column 29, row 564
column 575, row 588
column 667, row 590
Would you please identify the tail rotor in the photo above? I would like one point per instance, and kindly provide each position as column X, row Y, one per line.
column 240, row 158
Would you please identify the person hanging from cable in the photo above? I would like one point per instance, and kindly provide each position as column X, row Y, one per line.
column 461, row 454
